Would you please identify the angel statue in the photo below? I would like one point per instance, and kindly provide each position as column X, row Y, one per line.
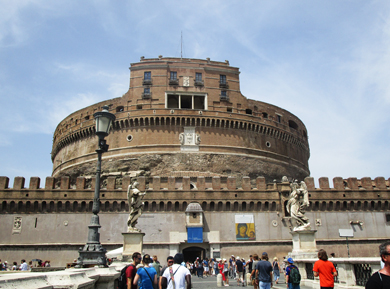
column 296, row 205
column 134, row 197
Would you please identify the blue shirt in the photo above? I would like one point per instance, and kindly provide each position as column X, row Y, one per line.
column 144, row 280
column 264, row 268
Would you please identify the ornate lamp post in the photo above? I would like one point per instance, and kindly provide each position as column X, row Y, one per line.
column 93, row 252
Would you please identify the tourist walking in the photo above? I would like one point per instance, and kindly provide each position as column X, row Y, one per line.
column 325, row 270
column 276, row 270
column 176, row 276
column 240, row 271
column 255, row 281
column 146, row 277
column 381, row 279
column 131, row 270
column 293, row 277
column 23, row 266
column 264, row 272
column 225, row 272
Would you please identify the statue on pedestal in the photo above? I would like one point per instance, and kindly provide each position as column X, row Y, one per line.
column 296, row 205
column 134, row 197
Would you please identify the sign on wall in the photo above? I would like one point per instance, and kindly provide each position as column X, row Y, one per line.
column 195, row 235
column 245, row 227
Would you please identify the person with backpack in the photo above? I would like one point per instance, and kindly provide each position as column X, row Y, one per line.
column 125, row 280
column 293, row 277
column 146, row 276
column 325, row 269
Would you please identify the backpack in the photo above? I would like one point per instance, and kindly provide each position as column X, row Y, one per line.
column 295, row 276
column 122, row 280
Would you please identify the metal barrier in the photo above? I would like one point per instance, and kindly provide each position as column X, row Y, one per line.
column 309, row 271
column 362, row 273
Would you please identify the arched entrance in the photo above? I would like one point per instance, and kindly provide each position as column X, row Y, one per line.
column 191, row 253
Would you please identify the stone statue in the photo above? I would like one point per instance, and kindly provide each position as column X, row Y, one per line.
column 296, row 205
column 181, row 138
column 134, row 197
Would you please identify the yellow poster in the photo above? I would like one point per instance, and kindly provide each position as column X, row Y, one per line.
column 245, row 227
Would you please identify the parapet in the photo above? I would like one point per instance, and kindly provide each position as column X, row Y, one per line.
column 200, row 183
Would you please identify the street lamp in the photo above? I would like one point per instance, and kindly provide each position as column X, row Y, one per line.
column 93, row 252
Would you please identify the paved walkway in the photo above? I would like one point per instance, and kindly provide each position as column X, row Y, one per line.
column 211, row 283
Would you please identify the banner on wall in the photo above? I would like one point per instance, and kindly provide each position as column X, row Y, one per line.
column 245, row 227
column 195, row 235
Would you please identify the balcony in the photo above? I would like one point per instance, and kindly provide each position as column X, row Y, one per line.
column 223, row 85
column 173, row 81
column 146, row 82
column 146, row 95
column 199, row 83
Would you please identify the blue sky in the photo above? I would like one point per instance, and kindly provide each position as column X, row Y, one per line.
column 325, row 61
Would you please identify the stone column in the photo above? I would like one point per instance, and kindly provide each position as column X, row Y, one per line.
column 132, row 242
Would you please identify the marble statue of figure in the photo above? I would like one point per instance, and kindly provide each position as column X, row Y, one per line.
column 296, row 205
column 134, row 197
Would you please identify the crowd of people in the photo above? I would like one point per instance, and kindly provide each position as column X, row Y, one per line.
column 23, row 266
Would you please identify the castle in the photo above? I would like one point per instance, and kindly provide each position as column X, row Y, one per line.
column 208, row 158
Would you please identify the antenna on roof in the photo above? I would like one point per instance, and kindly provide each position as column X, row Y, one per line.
column 181, row 45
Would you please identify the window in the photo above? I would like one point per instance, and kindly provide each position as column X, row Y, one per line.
column 223, row 94
column 279, row 118
column 222, row 79
column 292, row 124
column 147, row 75
column 173, row 75
column 186, row 101
column 198, row 79
column 146, row 93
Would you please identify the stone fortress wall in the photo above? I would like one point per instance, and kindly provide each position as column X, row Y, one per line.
column 238, row 136
column 55, row 218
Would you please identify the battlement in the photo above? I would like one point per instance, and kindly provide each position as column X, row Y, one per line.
column 199, row 183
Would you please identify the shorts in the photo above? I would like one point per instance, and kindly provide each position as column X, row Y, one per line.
column 239, row 275
column 206, row 269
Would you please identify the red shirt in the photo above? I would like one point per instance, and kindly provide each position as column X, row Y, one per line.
column 325, row 270
column 130, row 273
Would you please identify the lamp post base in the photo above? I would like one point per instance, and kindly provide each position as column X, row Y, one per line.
column 90, row 258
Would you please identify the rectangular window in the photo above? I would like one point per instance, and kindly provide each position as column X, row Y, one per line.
column 223, row 94
column 186, row 101
column 147, row 75
column 146, row 90
column 173, row 75
column 222, row 79
column 198, row 76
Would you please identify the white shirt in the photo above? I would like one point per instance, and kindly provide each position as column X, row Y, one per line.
column 23, row 267
column 179, row 276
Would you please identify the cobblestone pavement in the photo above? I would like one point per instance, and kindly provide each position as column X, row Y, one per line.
column 211, row 283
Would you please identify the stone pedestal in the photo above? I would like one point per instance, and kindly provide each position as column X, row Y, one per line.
column 132, row 242
column 304, row 244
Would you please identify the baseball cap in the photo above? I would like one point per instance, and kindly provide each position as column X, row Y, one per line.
column 290, row 260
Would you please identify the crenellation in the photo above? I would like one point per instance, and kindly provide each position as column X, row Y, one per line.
column 126, row 181
column 338, row 184
column 380, row 183
column 201, row 183
column 156, row 184
column 19, row 183
column 142, row 183
column 310, row 183
column 186, row 183
column 65, row 183
column 34, row 183
column 246, row 184
column 49, row 184
column 4, row 183
column 353, row 183
column 216, row 183
column 366, row 183
column 324, row 183
column 231, row 183
column 80, row 183
column 261, row 183
column 111, row 181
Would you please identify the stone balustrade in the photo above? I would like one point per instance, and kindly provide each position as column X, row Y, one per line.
column 89, row 278
column 352, row 272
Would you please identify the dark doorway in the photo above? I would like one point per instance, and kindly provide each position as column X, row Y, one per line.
column 191, row 253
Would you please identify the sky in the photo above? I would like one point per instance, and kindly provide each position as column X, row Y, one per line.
column 327, row 62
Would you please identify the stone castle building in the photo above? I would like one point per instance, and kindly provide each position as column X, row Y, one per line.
column 208, row 158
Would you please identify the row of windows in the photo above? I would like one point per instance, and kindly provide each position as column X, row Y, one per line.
column 173, row 76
